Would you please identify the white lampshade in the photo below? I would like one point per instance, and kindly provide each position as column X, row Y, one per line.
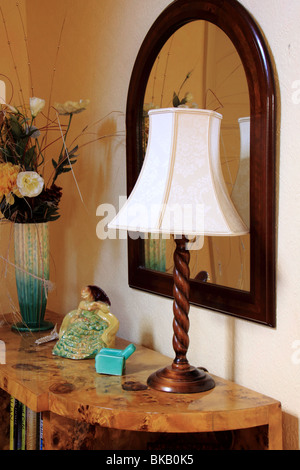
column 181, row 189
column 240, row 194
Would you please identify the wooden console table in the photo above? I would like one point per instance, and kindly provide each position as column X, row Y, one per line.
column 77, row 401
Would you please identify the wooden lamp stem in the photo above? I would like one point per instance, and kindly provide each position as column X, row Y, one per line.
column 181, row 306
column 180, row 377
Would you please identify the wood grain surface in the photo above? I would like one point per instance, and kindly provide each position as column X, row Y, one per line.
column 74, row 390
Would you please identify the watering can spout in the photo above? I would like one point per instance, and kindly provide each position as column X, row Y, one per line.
column 112, row 361
column 128, row 351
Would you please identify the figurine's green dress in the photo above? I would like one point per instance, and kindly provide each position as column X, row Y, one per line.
column 82, row 338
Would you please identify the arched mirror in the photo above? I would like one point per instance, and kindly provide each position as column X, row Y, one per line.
column 211, row 54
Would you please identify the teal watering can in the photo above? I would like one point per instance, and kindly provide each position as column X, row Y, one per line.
column 112, row 361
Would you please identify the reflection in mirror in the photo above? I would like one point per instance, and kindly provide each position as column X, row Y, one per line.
column 200, row 67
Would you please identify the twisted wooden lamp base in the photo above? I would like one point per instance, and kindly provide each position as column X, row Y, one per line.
column 180, row 377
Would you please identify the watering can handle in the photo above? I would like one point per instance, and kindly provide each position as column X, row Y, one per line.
column 128, row 351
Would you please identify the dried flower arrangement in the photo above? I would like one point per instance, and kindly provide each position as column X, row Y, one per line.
column 27, row 195
column 24, row 195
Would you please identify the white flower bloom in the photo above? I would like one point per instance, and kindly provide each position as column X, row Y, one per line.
column 36, row 106
column 188, row 97
column 71, row 107
column 12, row 109
column 30, row 183
column 33, row 131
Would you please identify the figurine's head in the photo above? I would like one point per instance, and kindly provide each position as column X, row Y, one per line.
column 94, row 293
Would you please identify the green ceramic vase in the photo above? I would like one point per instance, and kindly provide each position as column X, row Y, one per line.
column 31, row 246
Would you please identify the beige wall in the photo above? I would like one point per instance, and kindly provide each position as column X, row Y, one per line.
column 99, row 46
column 17, row 90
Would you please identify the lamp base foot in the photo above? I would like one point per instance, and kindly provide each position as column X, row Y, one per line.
column 172, row 380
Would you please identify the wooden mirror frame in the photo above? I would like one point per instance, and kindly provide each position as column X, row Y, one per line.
column 259, row 303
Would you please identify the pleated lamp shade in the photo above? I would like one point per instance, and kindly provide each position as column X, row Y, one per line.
column 240, row 194
column 181, row 189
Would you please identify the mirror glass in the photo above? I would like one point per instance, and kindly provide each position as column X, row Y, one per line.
column 199, row 67
column 214, row 50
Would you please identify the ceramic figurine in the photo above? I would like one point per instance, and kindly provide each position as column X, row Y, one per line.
column 85, row 331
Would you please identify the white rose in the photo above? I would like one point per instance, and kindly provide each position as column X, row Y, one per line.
column 30, row 183
column 36, row 106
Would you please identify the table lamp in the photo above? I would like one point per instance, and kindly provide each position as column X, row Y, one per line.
column 181, row 192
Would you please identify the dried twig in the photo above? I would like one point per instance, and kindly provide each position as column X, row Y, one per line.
column 13, row 58
column 27, row 49
column 165, row 74
column 52, row 80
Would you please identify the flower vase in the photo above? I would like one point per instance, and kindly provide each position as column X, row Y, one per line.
column 31, row 247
